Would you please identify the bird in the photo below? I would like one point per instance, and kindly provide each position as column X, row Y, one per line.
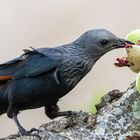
column 40, row 77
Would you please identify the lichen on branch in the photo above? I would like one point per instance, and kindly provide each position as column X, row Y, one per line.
column 117, row 117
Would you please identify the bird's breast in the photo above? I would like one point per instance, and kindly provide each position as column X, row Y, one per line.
column 72, row 73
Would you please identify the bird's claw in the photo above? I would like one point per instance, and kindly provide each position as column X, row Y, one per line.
column 34, row 130
column 23, row 132
column 72, row 114
column 68, row 114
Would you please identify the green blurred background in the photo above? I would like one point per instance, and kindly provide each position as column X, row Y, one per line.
column 48, row 23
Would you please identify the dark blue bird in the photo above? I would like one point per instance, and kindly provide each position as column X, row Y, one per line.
column 40, row 77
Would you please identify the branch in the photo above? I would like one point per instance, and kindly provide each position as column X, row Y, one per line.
column 117, row 117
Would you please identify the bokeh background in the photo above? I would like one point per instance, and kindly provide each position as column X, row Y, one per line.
column 49, row 23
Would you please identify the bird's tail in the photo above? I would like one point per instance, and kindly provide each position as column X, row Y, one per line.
column 3, row 102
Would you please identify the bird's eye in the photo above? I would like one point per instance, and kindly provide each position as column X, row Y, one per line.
column 104, row 42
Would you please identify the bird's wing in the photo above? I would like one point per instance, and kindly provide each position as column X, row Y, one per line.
column 10, row 67
column 32, row 64
column 36, row 64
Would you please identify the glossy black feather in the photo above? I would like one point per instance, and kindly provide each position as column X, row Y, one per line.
column 30, row 64
column 35, row 64
column 10, row 67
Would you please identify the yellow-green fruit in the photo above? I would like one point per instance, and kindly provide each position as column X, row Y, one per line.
column 133, row 57
column 133, row 54
column 134, row 36
column 138, row 82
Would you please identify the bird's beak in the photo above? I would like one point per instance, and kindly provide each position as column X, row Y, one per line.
column 120, row 43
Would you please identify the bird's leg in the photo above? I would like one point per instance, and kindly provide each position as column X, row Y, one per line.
column 12, row 113
column 22, row 131
column 53, row 112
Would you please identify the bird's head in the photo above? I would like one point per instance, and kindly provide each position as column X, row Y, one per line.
column 97, row 42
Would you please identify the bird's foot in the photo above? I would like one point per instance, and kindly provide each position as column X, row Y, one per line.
column 72, row 114
column 23, row 132
column 66, row 114
column 34, row 130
